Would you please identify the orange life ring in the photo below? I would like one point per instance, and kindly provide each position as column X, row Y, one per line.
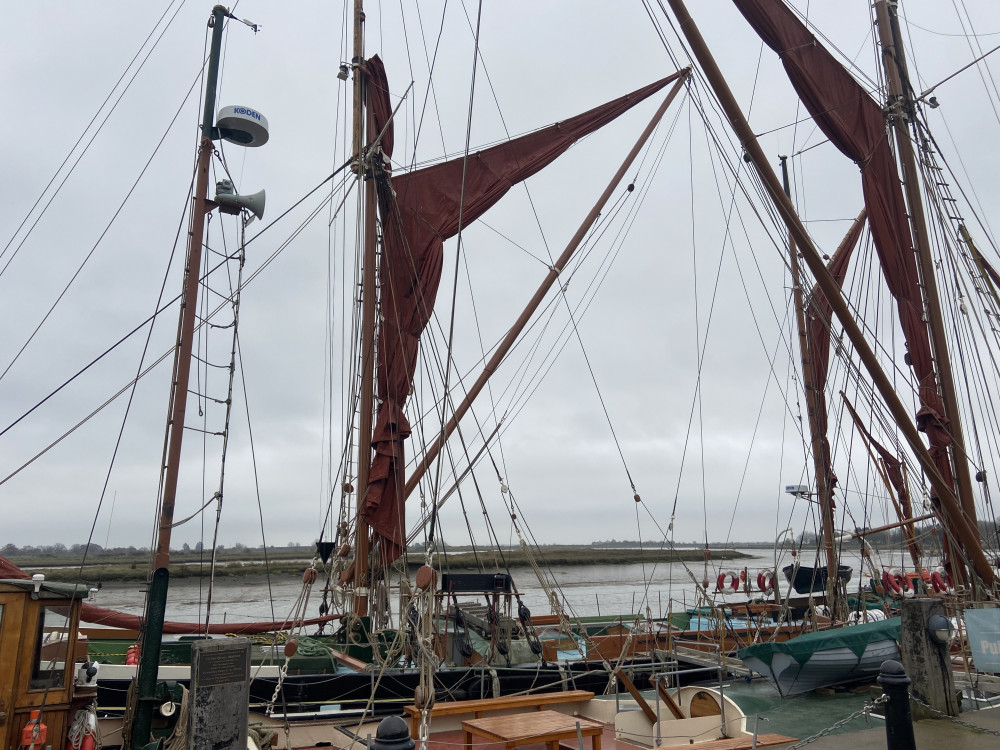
column 720, row 582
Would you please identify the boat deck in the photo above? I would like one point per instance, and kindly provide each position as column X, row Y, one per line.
column 455, row 740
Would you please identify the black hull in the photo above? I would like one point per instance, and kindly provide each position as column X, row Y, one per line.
column 306, row 696
column 813, row 580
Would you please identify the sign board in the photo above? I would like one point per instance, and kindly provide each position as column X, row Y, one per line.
column 220, row 694
column 983, row 627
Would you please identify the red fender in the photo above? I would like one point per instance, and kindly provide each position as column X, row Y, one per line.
column 132, row 655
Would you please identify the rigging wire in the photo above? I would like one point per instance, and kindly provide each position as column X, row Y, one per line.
column 83, row 134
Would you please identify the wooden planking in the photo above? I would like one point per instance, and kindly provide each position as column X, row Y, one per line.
column 478, row 706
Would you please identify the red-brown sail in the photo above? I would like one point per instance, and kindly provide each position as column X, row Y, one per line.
column 420, row 210
column 818, row 336
column 856, row 125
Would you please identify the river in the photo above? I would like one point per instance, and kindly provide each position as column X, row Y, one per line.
column 585, row 589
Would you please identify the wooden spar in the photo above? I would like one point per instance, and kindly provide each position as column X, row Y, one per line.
column 515, row 331
column 907, row 523
column 182, row 354
column 830, row 288
column 367, row 397
column 156, row 600
column 888, row 526
column 821, row 467
column 895, row 68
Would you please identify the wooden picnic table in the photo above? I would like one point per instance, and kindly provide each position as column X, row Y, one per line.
column 536, row 726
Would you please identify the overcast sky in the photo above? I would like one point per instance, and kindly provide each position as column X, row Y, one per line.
column 664, row 285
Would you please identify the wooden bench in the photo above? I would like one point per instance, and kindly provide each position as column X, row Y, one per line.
column 549, row 727
column 479, row 706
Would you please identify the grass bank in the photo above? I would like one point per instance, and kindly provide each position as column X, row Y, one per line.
column 252, row 563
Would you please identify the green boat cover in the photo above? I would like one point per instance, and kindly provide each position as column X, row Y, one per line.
column 802, row 647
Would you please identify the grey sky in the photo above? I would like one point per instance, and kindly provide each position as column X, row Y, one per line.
column 543, row 62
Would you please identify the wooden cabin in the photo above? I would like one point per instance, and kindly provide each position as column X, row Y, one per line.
column 39, row 651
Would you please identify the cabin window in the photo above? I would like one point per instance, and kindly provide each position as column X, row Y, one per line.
column 51, row 649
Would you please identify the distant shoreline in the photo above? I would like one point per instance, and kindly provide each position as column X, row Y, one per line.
column 252, row 562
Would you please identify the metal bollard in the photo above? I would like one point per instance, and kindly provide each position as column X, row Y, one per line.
column 392, row 734
column 898, row 722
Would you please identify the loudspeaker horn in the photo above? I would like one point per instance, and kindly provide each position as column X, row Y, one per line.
column 253, row 203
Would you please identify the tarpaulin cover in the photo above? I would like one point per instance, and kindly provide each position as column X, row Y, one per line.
column 419, row 210
column 802, row 647
column 857, row 126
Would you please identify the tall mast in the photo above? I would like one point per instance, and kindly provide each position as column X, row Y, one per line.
column 746, row 136
column 821, row 468
column 156, row 599
column 367, row 399
column 895, row 71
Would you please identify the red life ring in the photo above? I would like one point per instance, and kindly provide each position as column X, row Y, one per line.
column 903, row 583
column 937, row 583
column 765, row 581
column 890, row 582
column 731, row 578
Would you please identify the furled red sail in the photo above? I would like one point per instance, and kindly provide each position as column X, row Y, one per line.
column 112, row 618
column 856, row 125
column 818, row 336
column 420, row 210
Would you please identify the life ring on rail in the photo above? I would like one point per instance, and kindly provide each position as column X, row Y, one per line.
column 890, row 583
column 941, row 582
column 765, row 581
column 903, row 583
column 730, row 578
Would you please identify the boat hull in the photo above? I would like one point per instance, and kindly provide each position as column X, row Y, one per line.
column 826, row 668
column 380, row 692
column 812, row 580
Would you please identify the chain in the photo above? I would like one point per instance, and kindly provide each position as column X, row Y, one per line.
column 829, row 730
column 945, row 715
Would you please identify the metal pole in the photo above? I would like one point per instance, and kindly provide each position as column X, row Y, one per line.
column 898, row 722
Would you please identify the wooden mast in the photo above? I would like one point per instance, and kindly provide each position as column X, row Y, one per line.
column 831, row 289
column 821, row 468
column 895, row 70
column 367, row 398
column 156, row 599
